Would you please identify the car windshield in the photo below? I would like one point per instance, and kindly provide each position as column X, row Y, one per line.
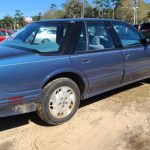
column 40, row 37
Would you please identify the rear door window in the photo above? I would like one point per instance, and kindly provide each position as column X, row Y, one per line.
column 99, row 37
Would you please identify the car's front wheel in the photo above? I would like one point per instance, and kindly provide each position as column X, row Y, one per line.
column 59, row 101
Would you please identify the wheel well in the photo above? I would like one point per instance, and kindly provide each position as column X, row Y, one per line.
column 76, row 78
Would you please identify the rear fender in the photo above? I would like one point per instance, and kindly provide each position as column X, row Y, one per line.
column 67, row 70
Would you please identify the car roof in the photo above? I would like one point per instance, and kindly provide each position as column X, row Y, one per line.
column 77, row 19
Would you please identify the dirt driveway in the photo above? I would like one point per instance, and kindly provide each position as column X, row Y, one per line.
column 117, row 120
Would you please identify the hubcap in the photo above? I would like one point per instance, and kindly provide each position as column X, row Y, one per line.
column 62, row 102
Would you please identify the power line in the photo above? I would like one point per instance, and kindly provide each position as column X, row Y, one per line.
column 12, row 10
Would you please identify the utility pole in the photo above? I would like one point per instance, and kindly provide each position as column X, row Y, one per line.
column 135, row 9
column 114, row 6
column 136, row 15
column 113, row 13
column 99, row 6
column 83, row 9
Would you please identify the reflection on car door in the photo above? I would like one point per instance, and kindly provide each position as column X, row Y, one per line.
column 100, row 61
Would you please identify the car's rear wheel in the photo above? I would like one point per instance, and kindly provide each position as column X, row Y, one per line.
column 59, row 101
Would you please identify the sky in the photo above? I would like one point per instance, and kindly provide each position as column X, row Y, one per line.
column 29, row 7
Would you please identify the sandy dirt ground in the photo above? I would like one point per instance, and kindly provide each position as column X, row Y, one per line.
column 116, row 120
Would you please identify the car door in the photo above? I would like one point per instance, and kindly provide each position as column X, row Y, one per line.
column 136, row 54
column 97, row 56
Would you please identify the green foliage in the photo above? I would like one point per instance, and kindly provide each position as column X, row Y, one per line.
column 124, row 11
column 19, row 19
column 53, row 7
column 73, row 9
column 90, row 12
column 118, row 9
column 6, row 22
column 59, row 14
column 37, row 17
column 53, row 13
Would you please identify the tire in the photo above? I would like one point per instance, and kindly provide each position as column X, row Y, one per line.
column 146, row 80
column 59, row 101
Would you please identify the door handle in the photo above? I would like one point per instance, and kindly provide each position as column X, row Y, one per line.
column 86, row 60
column 127, row 55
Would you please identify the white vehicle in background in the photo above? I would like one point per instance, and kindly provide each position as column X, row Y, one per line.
column 45, row 35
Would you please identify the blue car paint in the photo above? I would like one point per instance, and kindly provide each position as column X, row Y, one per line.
column 102, row 69
column 23, row 74
column 137, row 62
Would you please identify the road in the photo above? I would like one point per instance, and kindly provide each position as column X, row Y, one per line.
column 116, row 120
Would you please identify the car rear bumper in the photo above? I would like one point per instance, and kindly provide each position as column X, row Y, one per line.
column 18, row 105
column 18, row 109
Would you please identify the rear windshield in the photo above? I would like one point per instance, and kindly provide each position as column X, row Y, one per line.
column 40, row 37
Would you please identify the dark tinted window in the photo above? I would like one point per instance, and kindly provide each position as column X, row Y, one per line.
column 145, row 26
column 99, row 37
column 128, row 35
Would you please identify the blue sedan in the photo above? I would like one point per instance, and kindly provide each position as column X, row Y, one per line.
column 50, row 66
